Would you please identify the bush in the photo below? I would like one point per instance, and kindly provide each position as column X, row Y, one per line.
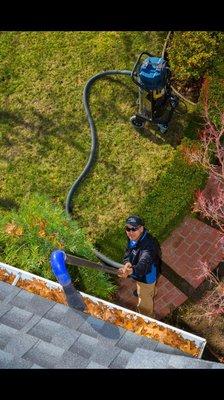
column 191, row 54
column 213, row 89
column 171, row 200
column 28, row 236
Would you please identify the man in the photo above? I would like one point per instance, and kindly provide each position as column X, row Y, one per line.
column 141, row 262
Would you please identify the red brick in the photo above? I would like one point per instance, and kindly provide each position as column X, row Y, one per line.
column 160, row 294
column 210, row 254
column 220, row 252
column 160, row 284
column 180, row 299
column 192, row 237
column 202, row 238
column 176, row 291
column 195, row 259
column 160, row 303
column 219, row 241
column 167, row 254
column 159, row 306
column 162, row 312
column 177, row 241
column 207, row 229
column 169, row 285
column 204, row 258
column 191, row 250
column 215, row 260
column 194, row 269
column 197, row 224
column 184, row 259
column 181, row 249
column 169, row 260
column 217, row 256
column 191, row 242
column 204, row 248
column 183, row 230
column 195, row 282
column 207, row 237
column 167, row 298
column 162, row 280
column 162, row 288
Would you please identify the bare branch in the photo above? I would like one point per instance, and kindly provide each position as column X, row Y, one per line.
column 210, row 204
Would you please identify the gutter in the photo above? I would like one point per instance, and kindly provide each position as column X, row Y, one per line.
column 18, row 277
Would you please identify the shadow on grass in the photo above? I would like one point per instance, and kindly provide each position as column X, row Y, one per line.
column 42, row 130
column 185, row 125
column 8, row 204
column 110, row 108
column 173, row 136
column 123, row 84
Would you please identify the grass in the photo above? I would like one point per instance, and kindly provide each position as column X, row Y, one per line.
column 45, row 138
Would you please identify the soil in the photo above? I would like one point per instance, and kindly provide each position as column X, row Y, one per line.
column 117, row 317
column 191, row 89
column 212, row 331
column 213, row 334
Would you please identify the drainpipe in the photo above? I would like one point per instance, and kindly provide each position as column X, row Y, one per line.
column 58, row 266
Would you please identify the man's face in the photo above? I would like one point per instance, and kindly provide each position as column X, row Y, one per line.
column 134, row 233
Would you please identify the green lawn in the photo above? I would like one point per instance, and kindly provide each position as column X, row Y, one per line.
column 45, row 137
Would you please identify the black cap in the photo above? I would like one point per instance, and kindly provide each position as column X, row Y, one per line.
column 134, row 220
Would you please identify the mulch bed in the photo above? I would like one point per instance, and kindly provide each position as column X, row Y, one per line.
column 190, row 90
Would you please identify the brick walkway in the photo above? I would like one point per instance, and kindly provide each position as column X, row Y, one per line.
column 191, row 242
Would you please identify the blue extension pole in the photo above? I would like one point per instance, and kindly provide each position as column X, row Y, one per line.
column 58, row 266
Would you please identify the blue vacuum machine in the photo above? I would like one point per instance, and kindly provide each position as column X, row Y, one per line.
column 156, row 102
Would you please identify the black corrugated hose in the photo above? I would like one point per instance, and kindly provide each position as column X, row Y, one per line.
column 93, row 151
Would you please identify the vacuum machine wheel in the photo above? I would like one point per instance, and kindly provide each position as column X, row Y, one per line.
column 137, row 122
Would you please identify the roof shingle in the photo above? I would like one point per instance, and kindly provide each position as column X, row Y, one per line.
column 38, row 333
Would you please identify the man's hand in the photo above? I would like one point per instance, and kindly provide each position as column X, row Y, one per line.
column 125, row 271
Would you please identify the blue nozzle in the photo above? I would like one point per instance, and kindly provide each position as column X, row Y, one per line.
column 58, row 267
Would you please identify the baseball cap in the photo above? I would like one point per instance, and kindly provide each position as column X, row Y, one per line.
column 134, row 220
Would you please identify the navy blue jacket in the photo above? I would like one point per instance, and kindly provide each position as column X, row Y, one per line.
column 143, row 257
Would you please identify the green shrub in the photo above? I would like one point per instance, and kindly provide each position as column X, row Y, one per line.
column 191, row 54
column 28, row 236
column 213, row 85
column 172, row 198
column 215, row 99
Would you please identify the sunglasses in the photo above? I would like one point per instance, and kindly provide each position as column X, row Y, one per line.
column 131, row 229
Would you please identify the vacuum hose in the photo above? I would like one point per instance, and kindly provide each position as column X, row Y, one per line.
column 93, row 151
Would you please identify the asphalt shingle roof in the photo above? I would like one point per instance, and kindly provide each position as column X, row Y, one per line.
column 39, row 333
